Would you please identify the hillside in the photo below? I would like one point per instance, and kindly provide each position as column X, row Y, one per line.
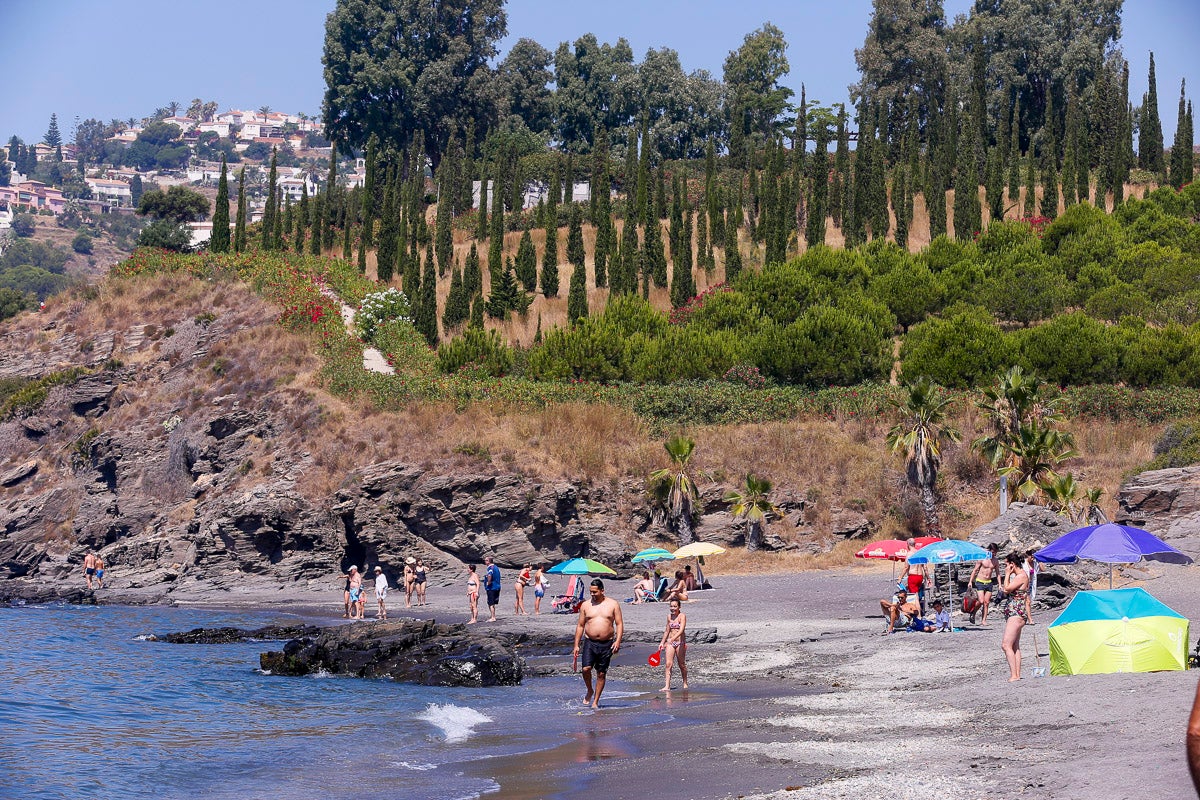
column 171, row 423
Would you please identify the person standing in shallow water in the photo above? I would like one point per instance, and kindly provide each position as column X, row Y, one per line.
column 674, row 644
column 600, row 628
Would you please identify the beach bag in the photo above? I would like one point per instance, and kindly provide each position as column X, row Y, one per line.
column 970, row 603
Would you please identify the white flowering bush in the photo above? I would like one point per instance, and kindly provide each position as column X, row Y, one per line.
column 378, row 308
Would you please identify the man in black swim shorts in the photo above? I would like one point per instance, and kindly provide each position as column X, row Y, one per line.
column 600, row 627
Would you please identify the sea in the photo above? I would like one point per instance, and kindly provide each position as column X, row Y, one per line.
column 92, row 707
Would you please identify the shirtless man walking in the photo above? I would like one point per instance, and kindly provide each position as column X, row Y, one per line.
column 89, row 567
column 983, row 580
column 600, row 627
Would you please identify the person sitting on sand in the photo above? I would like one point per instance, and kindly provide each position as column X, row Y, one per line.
column 689, row 578
column 643, row 588
column 898, row 611
column 679, row 590
column 939, row 623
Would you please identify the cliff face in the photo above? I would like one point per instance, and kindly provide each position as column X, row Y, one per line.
column 186, row 453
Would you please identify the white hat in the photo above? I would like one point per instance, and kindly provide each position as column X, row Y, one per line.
column 378, row 568
column 353, row 568
column 410, row 560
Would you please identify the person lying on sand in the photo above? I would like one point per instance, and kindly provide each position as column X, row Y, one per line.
column 899, row 610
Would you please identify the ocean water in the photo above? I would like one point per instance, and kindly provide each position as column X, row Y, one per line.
column 90, row 709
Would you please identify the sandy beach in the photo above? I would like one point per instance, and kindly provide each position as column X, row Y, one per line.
column 800, row 697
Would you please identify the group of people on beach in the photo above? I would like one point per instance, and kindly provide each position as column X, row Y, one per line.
column 415, row 581
column 1016, row 579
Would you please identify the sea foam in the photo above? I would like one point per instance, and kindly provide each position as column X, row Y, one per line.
column 457, row 723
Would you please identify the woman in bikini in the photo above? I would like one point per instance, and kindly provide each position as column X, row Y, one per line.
column 679, row 590
column 539, row 588
column 419, row 580
column 473, row 593
column 522, row 581
column 674, row 643
column 1015, row 608
column 410, row 580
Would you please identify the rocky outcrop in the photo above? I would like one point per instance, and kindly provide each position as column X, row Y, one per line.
column 412, row 651
column 1165, row 502
column 230, row 635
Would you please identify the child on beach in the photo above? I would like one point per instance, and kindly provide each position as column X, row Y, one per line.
column 539, row 588
column 674, row 643
column 381, row 588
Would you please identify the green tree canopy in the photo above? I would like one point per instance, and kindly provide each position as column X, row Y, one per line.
column 177, row 204
column 752, row 75
column 395, row 67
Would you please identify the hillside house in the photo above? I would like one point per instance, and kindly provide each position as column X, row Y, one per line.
column 111, row 191
column 32, row 196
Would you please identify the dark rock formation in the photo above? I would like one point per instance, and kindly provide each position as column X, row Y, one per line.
column 1165, row 502
column 230, row 635
column 413, row 651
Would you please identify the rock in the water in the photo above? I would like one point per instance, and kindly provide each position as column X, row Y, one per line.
column 230, row 635
column 414, row 651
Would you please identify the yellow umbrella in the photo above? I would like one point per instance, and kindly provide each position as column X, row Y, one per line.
column 697, row 549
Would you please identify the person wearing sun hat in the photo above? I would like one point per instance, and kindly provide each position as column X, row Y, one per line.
column 354, row 584
column 410, row 580
column 381, row 588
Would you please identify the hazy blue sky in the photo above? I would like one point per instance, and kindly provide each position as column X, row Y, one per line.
column 124, row 58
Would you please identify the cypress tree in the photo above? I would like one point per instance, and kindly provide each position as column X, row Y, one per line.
column 703, row 253
column 598, row 176
column 898, row 198
column 643, row 175
column 220, row 230
column 389, row 230
column 466, row 169
column 995, row 185
column 1106, row 132
column 575, row 250
column 660, row 194
column 1179, row 173
column 277, row 232
column 606, row 237
column 1124, row 155
column 425, row 317
column 347, row 241
column 629, row 179
column 683, row 287
column 239, row 230
column 1189, row 135
column 966, row 186
column 444, row 226
column 549, row 276
column 1150, row 135
column 332, row 199
column 551, row 208
column 854, row 224
column 818, row 197
column 644, row 268
column 476, row 319
column 289, row 219
column 496, row 238
column 568, row 182
column 879, row 200
column 526, row 263
column 268, row 220
column 472, row 274
column 675, row 228
column 1070, row 150
column 481, row 227
column 368, row 201
column 841, row 170
column 1049, row 204
column 656, row 257
column 318, row 209
column 504, row 294
column 457, row 303
column 1082, row 162
column 1027, row 210
column 300, row 223
column 733, row 255
column 935, row 200
column 577, row 302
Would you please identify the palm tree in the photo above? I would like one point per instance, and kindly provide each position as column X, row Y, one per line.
column 673, row 489
column 1067, row 498
column 750, row 502
column 920, row 436
column 1033, row 455
column 1015, row 401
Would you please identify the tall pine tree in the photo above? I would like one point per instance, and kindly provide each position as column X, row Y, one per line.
column 1150, row 135
column 220, row 230
column 268, row 221
column 239, row 230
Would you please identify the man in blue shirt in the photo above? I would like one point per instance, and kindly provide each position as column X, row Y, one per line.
column 491, row 584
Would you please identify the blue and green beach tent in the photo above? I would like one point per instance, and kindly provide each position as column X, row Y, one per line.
column 1117, row 630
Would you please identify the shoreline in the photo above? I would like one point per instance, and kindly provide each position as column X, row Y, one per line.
column 800, row 698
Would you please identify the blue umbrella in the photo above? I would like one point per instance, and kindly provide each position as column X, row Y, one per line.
column 1110, row 544
column 653, row 554
column 949, row 551
column 580, row 566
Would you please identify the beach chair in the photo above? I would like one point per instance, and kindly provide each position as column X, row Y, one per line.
column 659, row 593
column 569, row 602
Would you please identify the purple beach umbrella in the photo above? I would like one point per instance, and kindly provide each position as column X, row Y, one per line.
column 1110, row 544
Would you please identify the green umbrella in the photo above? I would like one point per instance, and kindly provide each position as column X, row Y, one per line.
column 653, row 554
column 580, row 566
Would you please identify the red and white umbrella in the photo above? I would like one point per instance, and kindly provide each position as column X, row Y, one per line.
column 891, row 549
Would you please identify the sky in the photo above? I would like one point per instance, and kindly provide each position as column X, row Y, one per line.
column 124, row 58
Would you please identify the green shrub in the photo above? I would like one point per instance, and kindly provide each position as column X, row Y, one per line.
column 1179, row 446
column 82, row 243
column 405, row 348
column 476, row 346
column 910, row 290
column 1070, row 349
column 963, row 349
column 826, row 346
column 1117, row 301
column 782, row 291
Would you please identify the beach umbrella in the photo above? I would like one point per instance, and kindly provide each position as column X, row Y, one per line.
column 580, row 566
column 1117, row 630
column 922, row 541
column 949, row 551
column 1109, row 544
column 653, row 554
column 698, row 550
column 892, row 549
